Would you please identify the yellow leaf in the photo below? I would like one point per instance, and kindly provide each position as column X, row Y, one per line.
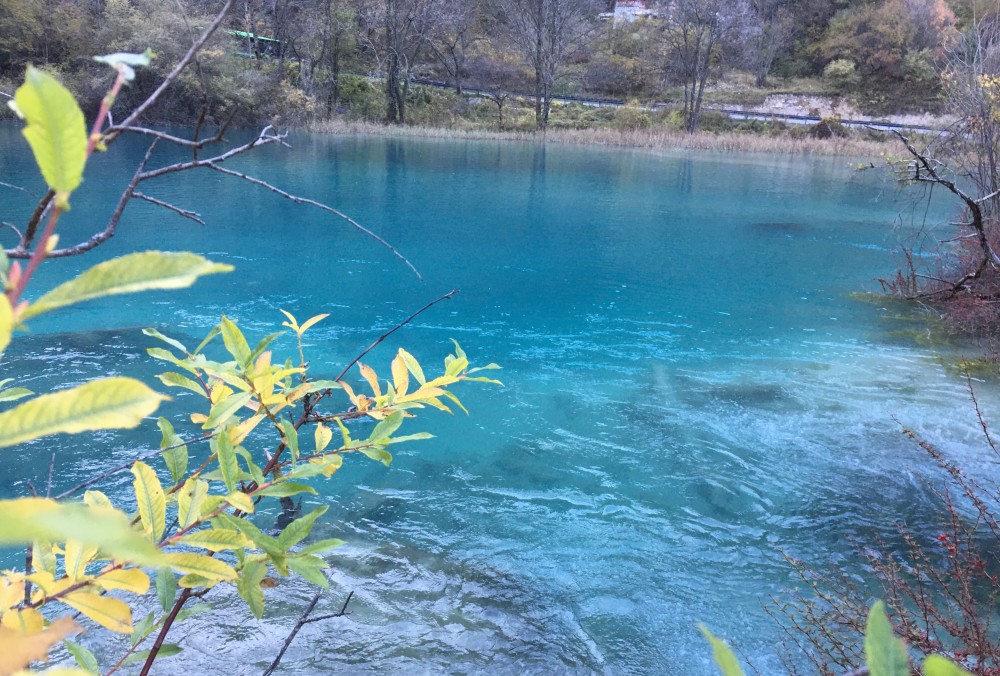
column 309, row 322
column 240, row 500
column 219, row 392
column 11, row 591
column 77, row 557
column 47, row 585
column 400, row 375
column 216, row 539
column 128, row 579
column 26, row 520
column 26, row 621
column 6, row 322
column 413, row 365
column 18, row 650
column 109, row 403
column 152, row 502
column 238, row 433
column 108, row 612
column 198, row 418
column 323, row 435
column 198, row 564
column 368, row 374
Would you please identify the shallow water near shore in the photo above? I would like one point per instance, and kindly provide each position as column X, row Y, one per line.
column 690, row 390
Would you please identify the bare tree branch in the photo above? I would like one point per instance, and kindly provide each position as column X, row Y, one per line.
column 193, row 215
column 181, row 65
column 324, row 207
column 303, row 621
column 393, row 330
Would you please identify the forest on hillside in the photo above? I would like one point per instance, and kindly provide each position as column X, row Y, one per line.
column 296, row 60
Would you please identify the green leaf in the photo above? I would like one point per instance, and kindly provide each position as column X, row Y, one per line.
column 936, row 665
column 885, row 654
column 191, row 611
column 216, row 539
column 171, row 379
column 225, row 409
column 320, row 546
column 419, row 436
column 198, row 564
column 265, row 543
column 228, row 466
column 207, row 339
column 413, row 366
column 386, row 427
column 248, row 586
column 311, row 568
column 134, row 272
column 236, row 343
column 189, row 501
column 166, row 588
column 83, row 657
column 176, row 459
column 299, row 529
column 109, row 403
column 25, row 520
column 262, row 345
column 56, row 132
column 152, row 502
column 378, row 453
column 166, row 650
column 14, row 393
column 723, row 656
column 153, row 333
column 291, row 438
column 286, row 489
column 142, row 629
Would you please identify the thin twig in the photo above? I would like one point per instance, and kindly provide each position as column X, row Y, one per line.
column 185, row 60
column 184, row 213
column 393, row 330
column 128, row 465
column 12, row 187
column 324, row 207
column 52, row 468
column 304, row 620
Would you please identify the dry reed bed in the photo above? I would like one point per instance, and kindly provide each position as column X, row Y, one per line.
column 653, row 139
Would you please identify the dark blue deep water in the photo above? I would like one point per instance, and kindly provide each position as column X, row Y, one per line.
column 690, row 390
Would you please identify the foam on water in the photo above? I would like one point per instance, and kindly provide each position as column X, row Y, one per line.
column 690, row 390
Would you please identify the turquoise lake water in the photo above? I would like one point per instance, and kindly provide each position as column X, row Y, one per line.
column 690, row 390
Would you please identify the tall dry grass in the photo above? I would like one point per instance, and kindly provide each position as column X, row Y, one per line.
column 657, row 139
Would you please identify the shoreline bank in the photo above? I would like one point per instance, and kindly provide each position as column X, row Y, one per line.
column 653, row 139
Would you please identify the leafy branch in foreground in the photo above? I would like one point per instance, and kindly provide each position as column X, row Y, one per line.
column 885, row 653
column 192, row 528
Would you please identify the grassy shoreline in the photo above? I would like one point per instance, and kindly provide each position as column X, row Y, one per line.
column 654, row 139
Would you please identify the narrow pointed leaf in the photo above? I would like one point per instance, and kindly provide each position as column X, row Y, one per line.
column 885, row 654
column 128, row 579
column 721, row 653
column 299, row 529
column 236, row 343
column 152, row 502
column 106, row 611
column 248, row 586
column 228, row 465
column 83, row 657
column 109, row 403
column 199, row 564
column 189, row 501
column 386, row 427
column 166, row 588
column 130, row 273
column 56, row 131
column 24, row 520
column 216, row 539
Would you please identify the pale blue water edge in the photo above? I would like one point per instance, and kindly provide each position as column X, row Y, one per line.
column 689, row 390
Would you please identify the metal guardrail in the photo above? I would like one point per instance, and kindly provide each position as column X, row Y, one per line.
column 733, row 113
